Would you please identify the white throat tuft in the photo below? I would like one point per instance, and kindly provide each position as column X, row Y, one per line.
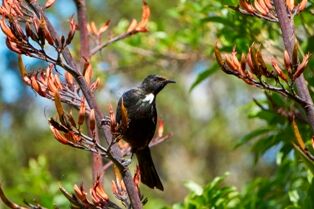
column 149, row 98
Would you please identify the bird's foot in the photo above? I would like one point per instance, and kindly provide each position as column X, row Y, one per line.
column 106, row 121
column 126, row 162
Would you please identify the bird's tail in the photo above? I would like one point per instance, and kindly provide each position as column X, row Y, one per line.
column 149, row 175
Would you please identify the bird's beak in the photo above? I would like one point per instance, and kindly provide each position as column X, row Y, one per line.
column 169, row 81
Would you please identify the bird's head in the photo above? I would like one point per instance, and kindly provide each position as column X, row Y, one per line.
column 155, row 83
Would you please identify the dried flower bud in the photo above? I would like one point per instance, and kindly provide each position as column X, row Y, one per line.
column 137, row 177
column 13, row 46
column 230, row 63
column 295, row 54
column 278, row 70
column 6, row 30
column 82, row 112
column 104, row 27
column 98, row 194
column 268, row 4
column 30, row 33
column 287, row 61
column 88, row 72
column 298, row 135
column 95, row 85
column 58, row 104
column 79, row 192
column 58, row 126
column 62, row 42
column 142, row 25
column 58, row 135
column 123, row 188
column 51, row 84
column 117, row 174
column 71, row 119
column 114, row 187
column 160, row 130
column 218, row 56
column 236, row 62
column 247, row 7
column 124, row 117
column 301, row 67
column 17, row 30
column 58, row 82
column 69, row 78
column 72, row 31
column 302, row 5
column 34, row 83
column 49, row 3
column 21, row 66
column 112, row 119
column 41, row 30
column 290, row 4
column 261, row 64
column 132, row 26
column 243, row 62
column 92, row 121
column 253, row 63
column 93, row 28
column 260, row 6
column 48, row 36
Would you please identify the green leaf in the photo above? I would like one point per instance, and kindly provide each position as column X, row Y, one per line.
column 203, row 75
column 252, row 135
column 177, row 206
column 294, row 196
column 264, row 144
column 218, row 19
column 217, row 180
column 308, row 162
column 194, row 187
column 309, row 200
column 292, row 207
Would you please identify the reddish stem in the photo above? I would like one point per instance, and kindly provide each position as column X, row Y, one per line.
column 287, row 29
column 115, row 153
column 97, row 163
column 82, row 22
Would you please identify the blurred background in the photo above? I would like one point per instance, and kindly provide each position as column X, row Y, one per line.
column 207, row 111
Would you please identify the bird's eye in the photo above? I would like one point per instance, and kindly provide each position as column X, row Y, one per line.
column 159, row 79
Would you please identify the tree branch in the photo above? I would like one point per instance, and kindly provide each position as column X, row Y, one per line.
column 84, row 52
column 82, row 22
column 287, row 29
column 112, row 40
column 115, row 153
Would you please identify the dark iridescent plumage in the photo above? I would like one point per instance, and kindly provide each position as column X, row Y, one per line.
column 142, row 120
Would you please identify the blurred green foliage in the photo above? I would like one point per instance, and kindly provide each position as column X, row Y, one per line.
column 213, row 195
column 285, row 189
column 37, row 185
column 209, row 112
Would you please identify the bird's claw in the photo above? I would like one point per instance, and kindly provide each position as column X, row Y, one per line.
column 126, row 162
column 105, row 121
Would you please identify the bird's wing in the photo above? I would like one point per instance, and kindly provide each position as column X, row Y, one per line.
column 131, row 99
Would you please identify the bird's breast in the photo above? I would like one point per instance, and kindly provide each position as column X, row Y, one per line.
column 149, row 98
column 142, row 123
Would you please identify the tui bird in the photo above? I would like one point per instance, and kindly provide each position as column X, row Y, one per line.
column 140, row 107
